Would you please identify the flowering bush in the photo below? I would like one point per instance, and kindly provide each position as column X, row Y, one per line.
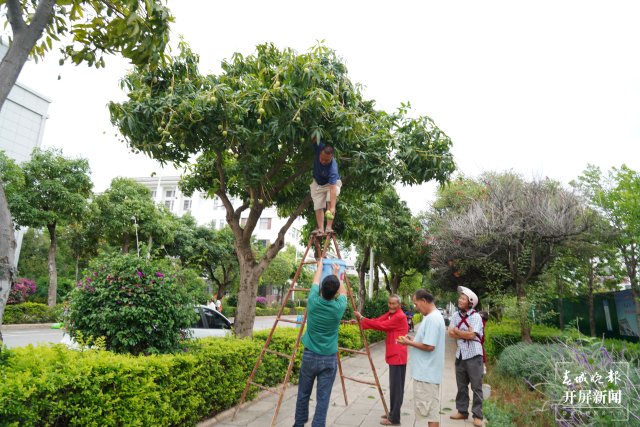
column 138, row 305
column 20, row 290
column 261, row 302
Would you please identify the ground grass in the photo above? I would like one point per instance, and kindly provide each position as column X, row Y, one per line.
column 513, row 396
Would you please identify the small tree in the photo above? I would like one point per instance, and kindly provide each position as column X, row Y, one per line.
column 513, row 227
column 55, row 192
column 136, row 304
column 616, row 196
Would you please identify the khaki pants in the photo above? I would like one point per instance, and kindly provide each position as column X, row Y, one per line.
column 426, row 399
column 321, row 194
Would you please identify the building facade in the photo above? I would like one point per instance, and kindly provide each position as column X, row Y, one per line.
column 210, row 210
column 22, row 121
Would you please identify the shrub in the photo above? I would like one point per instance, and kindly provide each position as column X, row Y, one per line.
column 31, row 312
column 301, row 302
column 135, row 305
column 57, row 386
column 531, row 362
column 417, row 318
column 496, row 416
column 376, row 306
column 228, row 311
column 231, row 300
column 261, row 302
column 21, row 290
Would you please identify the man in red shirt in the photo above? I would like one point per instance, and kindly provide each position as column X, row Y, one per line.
column 394, row 323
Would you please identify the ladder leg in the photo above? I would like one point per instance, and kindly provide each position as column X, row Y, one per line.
column 266, row 344
column 344, row 389
column 362, row 335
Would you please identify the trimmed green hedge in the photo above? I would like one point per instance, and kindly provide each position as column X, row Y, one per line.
column 499, row 336
column 42, row 386
column 31, row 312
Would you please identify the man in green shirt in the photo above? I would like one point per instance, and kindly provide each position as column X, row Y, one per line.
column 325, row 307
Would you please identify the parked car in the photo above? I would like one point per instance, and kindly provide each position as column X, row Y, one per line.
column 209, row 323
column 445, row 316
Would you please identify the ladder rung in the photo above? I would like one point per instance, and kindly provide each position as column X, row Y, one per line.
column 351, row 351
column 301, row 289
column 359, row 381
column 270, row 390
column 289, row 321
column 287, row 356
column 310, row 262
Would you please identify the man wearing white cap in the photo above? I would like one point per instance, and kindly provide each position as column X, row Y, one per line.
column 467, row 328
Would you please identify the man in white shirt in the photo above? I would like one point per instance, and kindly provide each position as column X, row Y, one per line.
column 467, row 328
column 426, row 359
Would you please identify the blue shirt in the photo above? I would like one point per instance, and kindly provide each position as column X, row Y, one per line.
column 428, row 366
column 323, row 320
column 324, row 174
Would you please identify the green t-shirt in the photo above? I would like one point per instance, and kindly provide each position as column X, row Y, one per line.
column 323, row 320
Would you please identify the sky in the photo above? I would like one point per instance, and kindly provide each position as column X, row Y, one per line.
column 541, row 88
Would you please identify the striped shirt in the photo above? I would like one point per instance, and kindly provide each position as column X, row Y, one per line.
column 468, row 348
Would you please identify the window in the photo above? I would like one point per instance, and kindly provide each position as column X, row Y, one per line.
column 186, row 205
column 222, row 224
column 265, row 224
column 217, row 203
column 153, row 194
column 199, row 323
column 213, row 320
column 243, row 222
column 170, row 194
column 264, row 243
column 169, row 204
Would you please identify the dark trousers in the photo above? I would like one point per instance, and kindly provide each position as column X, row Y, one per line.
column 397, row 374
column 314, row 367
column 469, row 371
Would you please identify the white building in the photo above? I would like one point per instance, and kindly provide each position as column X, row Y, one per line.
column 22, row 119
column 206, row 210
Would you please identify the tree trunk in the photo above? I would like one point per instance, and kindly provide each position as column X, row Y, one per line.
column 394, row 284
column 25, row 38
column 7, row 252
column 125, row 244
column 77, row 267
column 592, row 318
column 247, row 292
column 525, row 325
column 560, row 290
column 53, row 273
column 362, row 285
column 376, row 280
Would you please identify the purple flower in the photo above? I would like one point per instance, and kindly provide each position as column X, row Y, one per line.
column 158, row 274
column 139, row 273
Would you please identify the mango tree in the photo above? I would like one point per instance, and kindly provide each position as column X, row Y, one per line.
column 245, row 133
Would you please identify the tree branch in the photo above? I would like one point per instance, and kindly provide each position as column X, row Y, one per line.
column 275, row 247
column 15, row 16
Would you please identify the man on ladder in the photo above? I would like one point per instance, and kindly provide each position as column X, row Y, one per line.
column 319, row 360
column 326, row 184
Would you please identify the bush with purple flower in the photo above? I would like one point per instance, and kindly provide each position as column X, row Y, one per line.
column 20, row 290
column 261, row 302
column 140, row 306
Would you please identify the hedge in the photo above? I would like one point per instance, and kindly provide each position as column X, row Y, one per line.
column 31, row 312
column 43, row 385
column 500, row 335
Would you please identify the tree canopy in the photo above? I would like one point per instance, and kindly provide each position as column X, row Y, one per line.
column 245, row 133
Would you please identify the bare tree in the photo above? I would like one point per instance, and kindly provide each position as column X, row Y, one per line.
column 513, row 223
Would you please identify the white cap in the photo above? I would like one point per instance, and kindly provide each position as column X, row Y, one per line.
column 470, row 294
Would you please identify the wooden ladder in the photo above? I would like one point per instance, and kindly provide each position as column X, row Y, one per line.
column 320, row 250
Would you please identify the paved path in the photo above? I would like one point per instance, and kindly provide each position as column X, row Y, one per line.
column 364, row 407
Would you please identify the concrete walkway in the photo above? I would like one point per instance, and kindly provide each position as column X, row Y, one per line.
column 364, row 407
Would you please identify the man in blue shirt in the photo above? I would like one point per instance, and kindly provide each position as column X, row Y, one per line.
column 325, row 186
column 426, row 359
